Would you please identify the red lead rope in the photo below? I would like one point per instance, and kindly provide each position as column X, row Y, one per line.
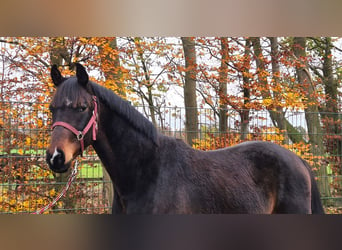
column 62, row 193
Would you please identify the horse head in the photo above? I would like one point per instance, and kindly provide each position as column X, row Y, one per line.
column 74, row 117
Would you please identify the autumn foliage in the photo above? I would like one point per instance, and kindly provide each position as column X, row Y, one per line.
column 236, row 77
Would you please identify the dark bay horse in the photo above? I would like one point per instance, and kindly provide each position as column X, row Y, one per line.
column 156, row 174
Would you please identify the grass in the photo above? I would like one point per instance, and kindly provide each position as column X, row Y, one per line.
column 91, row 172
column 86, row 171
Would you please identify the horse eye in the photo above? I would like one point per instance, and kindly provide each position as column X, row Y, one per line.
column 81, row 109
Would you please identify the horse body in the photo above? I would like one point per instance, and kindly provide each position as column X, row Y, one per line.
column 172, row 177
column 223, row 181
column 153, row 173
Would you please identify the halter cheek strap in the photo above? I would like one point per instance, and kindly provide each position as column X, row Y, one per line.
column 80, row 134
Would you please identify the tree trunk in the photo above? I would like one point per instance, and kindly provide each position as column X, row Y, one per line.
column 59, row 52
column 223, row 76
column 190, row 102
column 147, row 83
column 311, row 109
column 275, row 111
column 115, row 73
column 277, row 115
column 330, row 115
column 151, row 106
column 108, row 189
column 306, row 83
column 244, row 113
column 118, row 71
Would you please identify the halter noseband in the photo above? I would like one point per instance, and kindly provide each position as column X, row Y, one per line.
column 80, row 134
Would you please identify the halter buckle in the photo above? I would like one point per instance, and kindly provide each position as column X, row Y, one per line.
column 80, row 136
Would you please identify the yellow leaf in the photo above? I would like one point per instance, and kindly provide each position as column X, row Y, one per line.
column 52, row 192
column 40, row 123
column 26, row 204
column 267, row 102
column 28, row 141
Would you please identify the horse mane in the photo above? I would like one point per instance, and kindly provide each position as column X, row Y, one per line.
column 126, row 111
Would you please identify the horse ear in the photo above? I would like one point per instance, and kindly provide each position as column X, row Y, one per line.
column 56, row 75
column 81, row 74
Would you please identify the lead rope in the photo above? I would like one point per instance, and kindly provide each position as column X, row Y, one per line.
column 62, row 193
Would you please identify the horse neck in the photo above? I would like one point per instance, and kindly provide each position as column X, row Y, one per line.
column 126, row 153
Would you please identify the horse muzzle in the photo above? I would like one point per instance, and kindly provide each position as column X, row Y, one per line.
column 56, row 161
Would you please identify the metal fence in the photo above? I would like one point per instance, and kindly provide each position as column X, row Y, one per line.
column 26, row 183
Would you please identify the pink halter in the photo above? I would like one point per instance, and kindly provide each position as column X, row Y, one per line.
column 80, row 134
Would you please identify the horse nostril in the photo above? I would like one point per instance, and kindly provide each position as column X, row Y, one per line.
column 56, row 159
